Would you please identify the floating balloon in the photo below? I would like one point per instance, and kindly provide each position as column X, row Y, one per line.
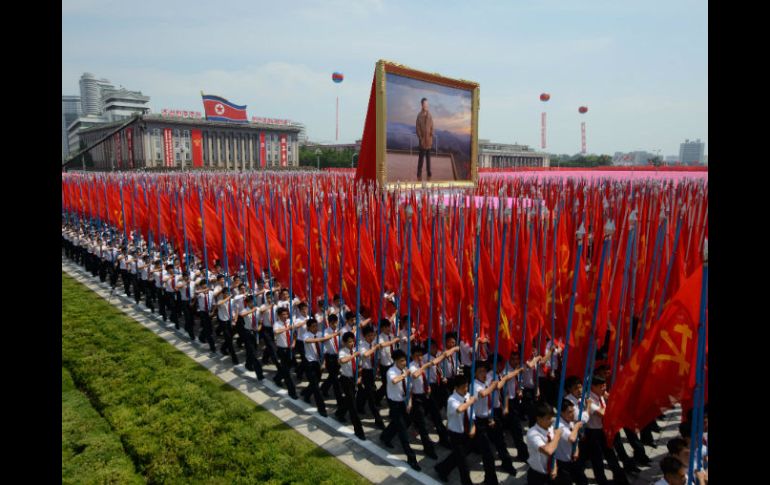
column 583, row 109
column 337, row 77
column 545, row 97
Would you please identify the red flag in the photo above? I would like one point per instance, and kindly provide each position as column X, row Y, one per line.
column 658, row 374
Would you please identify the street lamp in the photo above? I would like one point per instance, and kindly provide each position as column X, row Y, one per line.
column 317, row 159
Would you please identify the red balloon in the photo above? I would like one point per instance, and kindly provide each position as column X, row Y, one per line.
column 583, row 109
column 545, row 97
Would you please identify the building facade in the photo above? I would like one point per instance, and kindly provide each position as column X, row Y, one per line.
column 167, row 143
column 503, row 155
column 691, row 152
column 638, row 157
column 70, row 111
column 121, row 104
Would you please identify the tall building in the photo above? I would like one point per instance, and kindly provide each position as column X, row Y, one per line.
column 70, row 110
column 691, row 152
column 91, row 93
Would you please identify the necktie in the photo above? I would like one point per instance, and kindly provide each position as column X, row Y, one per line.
column 173, row 282
column 317, row 349
column 334, row 344
column 253, row 322
column 353, row 363
column 439, row 374
column 288, row 339
column 371, row 357
column 188, row 291
column 466, row 421
column 548, row 460
column 206, row 302
column 403, row 387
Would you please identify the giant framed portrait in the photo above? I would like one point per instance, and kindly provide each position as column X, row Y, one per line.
column 427, row 128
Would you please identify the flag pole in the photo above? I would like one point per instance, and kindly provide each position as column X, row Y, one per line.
column 662, row 300
column 506, row 218
column 624, row 287
column 696, row 433
column 579, row 236
column 408, row 240
column 358, row 282
column 432, row 282
column 653, row 269
column 203, row 230
column 475, row 308
column 524, row 339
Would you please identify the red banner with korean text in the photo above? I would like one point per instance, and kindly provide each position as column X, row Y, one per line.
column 168, row 144
column 118, row 154
column 283, row 150
column 197, row 148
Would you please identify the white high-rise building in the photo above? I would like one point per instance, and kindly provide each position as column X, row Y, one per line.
column 691, row 152
column 91, row 93
column 70, row 110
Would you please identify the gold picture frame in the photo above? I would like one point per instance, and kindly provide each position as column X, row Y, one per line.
column 384, row 67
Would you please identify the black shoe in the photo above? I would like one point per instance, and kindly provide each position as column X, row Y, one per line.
column 643, row 460
column 386, row 443
column 630, row 467
column 508, row 468
column 413, row 463
column 360, row 435
column 441, row 476
column 445, row 444
column 379, row 424
column 306, row 398
column 650, row 443
column 431, row 453
column 293, row 395
column 322, row 412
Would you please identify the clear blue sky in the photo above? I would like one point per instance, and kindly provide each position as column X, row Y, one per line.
column 641, row 67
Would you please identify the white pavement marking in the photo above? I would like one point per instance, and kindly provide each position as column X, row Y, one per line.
column 365, row 457
column 372, row 461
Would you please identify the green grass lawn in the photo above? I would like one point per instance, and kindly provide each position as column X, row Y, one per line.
column 90, row 451
column 176, row 421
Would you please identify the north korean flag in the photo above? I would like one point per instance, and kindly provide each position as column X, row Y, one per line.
column 220, row 109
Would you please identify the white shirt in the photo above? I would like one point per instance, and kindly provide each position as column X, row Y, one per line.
column 418, row 383
column 331, row 346
column 251, row 321
column 455, row 420
column 237, row 304
column 385, row 358
column 396, row 392
column 282, row 339
column 266, row 316
column 202, row 301
column 431, row 372
column 311, row 350
column 511, row 386
column 299, row 318
column 366, row 362
column 597, row 403
column 564, row 448
column 483, row 405
column 223, row 312
column 347, row 368
column 538, row 437
column 528, row 378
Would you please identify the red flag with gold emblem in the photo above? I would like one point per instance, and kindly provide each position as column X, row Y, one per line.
column 658, row 373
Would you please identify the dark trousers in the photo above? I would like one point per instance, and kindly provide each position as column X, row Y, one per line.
column 313, row 370
column 113, row 275
column 332, row 379
column 383, row 389
column 126, row 276
column 528, row 405
column 103, row 270
column 137, row 288
column 249, row 339
column 459, row 444
column 423, row 154
column 347, row 404
column 537, row 478
column 571, row 472
column 431, row 410
column 227, row 331
column 189, row 323
column 303, row 363
column 398, row 426
column 512, row 424
column 271, row 350
column 207, row 333
column 366, row 394
column 633, row 440
column 483, row 443
column 417, row 416
column 162, row 303
column 549, row 389
column 149, row 295
column 597, row 450
column 173, row 307
column 283, row 375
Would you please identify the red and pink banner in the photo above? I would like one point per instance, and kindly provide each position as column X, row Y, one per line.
column 197, row 148
column 118, row 154
column 130, row 144
column 283, row 150
column 262, row 151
